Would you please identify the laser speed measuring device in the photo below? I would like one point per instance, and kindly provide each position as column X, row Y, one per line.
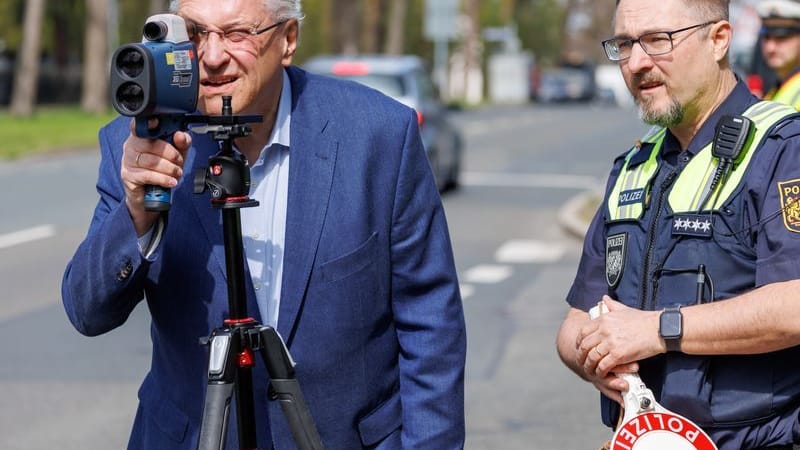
column 157, row 79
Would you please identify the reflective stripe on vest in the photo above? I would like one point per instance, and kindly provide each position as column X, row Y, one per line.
column 695, row 179
column 789, row 92
column 631, row 192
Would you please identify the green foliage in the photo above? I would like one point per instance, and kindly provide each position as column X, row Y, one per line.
column 539, row 23
column 132, row 14
column 11, row 12
column 314, row 30
column 48, row 130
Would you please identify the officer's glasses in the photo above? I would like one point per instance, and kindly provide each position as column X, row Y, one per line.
column 234, row 38
column 655, row 43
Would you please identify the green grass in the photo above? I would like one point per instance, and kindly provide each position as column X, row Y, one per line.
column 50, row 129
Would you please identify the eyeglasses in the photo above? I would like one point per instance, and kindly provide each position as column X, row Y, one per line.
column 199, row 34
column 656, row 43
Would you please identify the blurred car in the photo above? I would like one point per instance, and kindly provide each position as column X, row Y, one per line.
column 405, row 79
column 565, row 84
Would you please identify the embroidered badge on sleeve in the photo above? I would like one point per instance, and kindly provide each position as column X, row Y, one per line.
column 790, row 194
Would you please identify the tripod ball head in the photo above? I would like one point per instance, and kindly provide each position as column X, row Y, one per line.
column 227, row 178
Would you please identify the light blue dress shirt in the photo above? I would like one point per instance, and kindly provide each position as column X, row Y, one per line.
column 264, row 226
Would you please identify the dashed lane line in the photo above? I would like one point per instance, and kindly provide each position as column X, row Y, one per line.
column 516, row 251
column 487, row 274
column 26, row 235
column 466, row 290
column 522, row 251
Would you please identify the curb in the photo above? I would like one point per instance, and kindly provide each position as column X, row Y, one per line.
column 569, row 215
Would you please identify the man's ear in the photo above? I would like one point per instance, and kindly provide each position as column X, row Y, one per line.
column 721, row 35
column 291, row 35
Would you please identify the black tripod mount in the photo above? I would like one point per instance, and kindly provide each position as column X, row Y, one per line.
column 232, row 346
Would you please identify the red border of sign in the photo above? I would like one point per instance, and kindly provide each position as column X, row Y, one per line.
column 626, row 436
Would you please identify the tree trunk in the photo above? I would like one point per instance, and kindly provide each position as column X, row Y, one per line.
column 568, row 38
column 395, row 40
column 26, row 76
column 345, row 33
column 158, row 6
column 370, row 36
column 94, row 98
column 472, row 54
column 507, row 8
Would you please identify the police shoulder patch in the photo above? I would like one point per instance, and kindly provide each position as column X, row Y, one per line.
column 789, row 192
column 616, row 250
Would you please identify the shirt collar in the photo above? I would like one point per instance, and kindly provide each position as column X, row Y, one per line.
column 281, row 130
column 736, row 103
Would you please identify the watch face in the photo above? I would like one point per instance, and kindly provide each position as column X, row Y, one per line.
column 670, row 324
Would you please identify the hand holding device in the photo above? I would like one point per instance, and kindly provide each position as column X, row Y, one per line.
column 157, row 79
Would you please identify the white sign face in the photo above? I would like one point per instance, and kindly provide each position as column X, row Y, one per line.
column 441, row 19
column 660, row 430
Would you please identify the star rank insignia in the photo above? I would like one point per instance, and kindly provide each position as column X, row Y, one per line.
column 696, row 225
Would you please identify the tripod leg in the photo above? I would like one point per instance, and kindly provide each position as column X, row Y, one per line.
column 216, row 412
column 293, row 404
column 219, row 390
column 285, row 388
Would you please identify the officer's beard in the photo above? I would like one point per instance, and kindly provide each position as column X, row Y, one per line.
column 669, row 117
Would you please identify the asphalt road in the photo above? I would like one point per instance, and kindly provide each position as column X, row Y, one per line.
column 523, row 165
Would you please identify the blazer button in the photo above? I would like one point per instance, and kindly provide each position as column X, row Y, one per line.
column 125, row 272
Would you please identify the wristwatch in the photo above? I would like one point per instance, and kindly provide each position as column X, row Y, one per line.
column 670, row 327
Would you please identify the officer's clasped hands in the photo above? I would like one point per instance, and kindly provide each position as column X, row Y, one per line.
column 613, row 343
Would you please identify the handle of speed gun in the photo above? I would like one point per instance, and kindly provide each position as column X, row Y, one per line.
column 159, row 198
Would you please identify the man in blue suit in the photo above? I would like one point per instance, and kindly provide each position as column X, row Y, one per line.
column 348, row 254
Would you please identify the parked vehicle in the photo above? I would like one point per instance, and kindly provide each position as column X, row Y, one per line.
column 405, row 79
column 565, row 84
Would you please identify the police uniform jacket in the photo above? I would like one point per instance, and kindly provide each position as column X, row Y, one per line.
column 750, row 239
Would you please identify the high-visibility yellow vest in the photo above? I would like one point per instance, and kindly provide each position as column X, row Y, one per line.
column 788, row 93
column 631, row 192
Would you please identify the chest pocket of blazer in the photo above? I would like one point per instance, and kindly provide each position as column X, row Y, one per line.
column 353, row 262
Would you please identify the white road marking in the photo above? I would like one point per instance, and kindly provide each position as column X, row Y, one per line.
column 487, row 274
column 26, row 235
column 529, row 180
column 466, row 290
column 528, row 251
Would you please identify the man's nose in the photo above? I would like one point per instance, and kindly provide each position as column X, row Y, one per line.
column 639, row 59
column 215, row 51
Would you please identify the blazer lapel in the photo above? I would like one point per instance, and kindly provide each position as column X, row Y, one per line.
column 312, row 160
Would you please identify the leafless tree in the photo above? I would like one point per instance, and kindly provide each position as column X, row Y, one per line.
column 371, row 25
column 27, row 72
column 94, row 97
column 158, row 6
column 345, row 15
column 396, row 27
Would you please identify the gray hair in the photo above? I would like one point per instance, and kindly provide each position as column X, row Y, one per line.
column 708, row 9
column 280, row 9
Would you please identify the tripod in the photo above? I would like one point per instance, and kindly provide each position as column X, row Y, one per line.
column 231, row 346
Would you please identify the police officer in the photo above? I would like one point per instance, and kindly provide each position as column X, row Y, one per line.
column 694, row 249
column 780, row 46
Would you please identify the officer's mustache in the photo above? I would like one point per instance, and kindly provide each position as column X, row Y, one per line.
column 645, row 79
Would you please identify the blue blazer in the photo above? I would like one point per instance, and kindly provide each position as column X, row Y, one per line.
column 370, row 306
